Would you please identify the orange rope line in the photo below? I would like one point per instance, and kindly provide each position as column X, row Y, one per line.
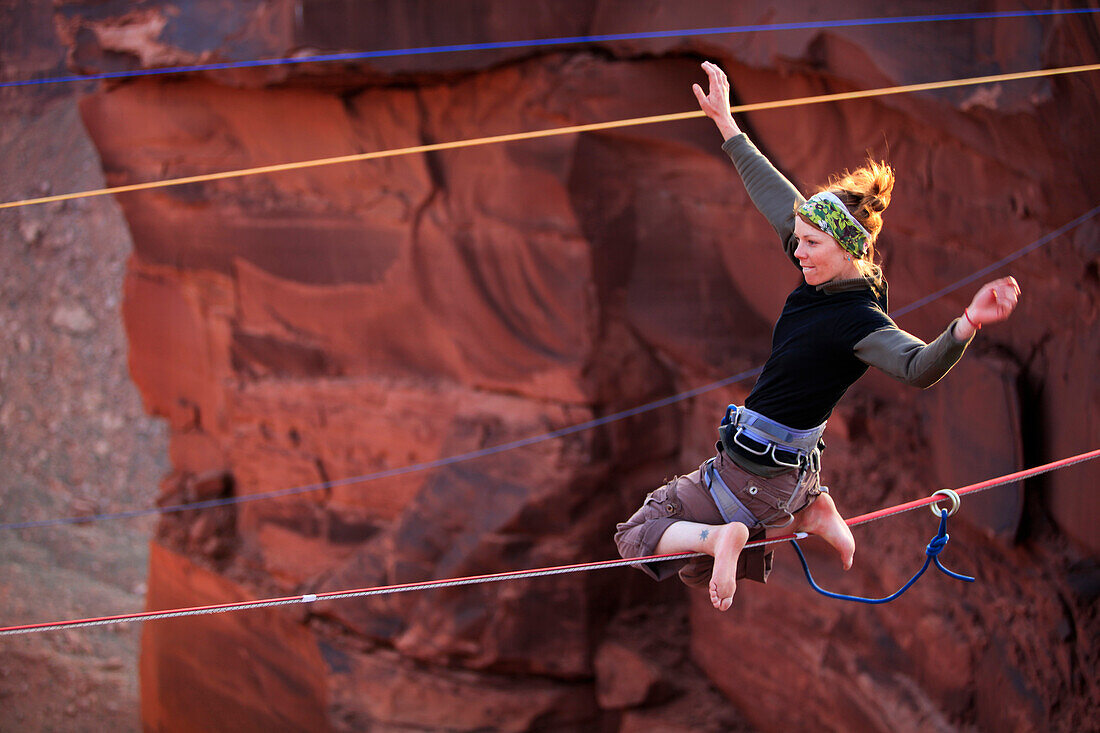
column 570, row 130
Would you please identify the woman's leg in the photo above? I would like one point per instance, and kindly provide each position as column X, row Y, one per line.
column 822, row 519
column 723, row 542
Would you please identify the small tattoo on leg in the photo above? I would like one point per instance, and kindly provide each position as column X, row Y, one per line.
column 704, row 534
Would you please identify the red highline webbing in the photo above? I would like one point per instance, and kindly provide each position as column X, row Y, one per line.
column 518, row 574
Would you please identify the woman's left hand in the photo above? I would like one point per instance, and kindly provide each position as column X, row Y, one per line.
column 994, row 302
column 716, row 102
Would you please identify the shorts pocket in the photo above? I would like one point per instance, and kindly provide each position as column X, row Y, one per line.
column 665, row 501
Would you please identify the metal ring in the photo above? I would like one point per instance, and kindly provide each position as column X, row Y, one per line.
column 956, row 502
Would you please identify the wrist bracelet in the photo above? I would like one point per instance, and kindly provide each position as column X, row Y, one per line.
column 975, row 326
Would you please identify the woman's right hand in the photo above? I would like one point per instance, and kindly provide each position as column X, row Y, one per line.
column 716, row 103
column 994, row 302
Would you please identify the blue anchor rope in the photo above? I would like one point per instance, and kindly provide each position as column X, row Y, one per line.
column 545, row 42
column 932, row 555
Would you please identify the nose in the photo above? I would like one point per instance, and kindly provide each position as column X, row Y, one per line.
column 800, row 251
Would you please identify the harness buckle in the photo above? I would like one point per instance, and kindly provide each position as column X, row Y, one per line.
column 759, row 436
column 737, row 439
column 797, row 456
column 772, row 448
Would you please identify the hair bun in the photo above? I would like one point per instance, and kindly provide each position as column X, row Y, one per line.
column 866, row 191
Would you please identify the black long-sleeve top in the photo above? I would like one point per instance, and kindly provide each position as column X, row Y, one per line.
column 827, row 335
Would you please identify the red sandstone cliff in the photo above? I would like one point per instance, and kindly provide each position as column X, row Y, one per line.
column 336, row 321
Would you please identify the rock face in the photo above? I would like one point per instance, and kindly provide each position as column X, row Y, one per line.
column 74, row 436
column 334, row 322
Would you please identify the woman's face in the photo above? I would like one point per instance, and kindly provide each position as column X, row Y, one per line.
column 820, row 257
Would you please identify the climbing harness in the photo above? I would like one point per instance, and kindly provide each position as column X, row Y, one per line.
column 765, row 438
column 769, row 497
column 932, row 555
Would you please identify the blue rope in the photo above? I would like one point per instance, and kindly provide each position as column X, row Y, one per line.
column 932, row 555
column 540, row 42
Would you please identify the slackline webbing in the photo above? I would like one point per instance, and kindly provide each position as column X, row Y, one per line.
column 517, row 574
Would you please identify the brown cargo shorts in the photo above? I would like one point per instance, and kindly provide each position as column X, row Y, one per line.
column 684, row 498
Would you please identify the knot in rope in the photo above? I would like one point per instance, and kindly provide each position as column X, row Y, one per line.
column 935, row 547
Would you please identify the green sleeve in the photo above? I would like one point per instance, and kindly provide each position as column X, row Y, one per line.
column 774, row 196
column 907, row 358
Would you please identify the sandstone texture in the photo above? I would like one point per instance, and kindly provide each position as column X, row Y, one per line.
column 300, row 329
column 75, row 439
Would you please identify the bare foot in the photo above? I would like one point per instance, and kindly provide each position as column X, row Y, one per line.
column 729, row 540
column 822, row 519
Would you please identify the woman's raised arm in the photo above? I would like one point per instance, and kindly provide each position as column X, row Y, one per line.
column 716, row 102
column 773, row 195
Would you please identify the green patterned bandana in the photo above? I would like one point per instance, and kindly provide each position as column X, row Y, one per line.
column 829, row 214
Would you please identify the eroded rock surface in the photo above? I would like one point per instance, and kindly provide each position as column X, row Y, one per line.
column 339, row 321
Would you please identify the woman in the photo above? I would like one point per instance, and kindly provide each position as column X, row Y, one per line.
column 832, row 328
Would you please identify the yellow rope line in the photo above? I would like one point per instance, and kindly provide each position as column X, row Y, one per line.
column 778, row 104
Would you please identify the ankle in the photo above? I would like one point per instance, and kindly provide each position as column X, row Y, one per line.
column 734, row 532
column 820, row 513
column 709, row 538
